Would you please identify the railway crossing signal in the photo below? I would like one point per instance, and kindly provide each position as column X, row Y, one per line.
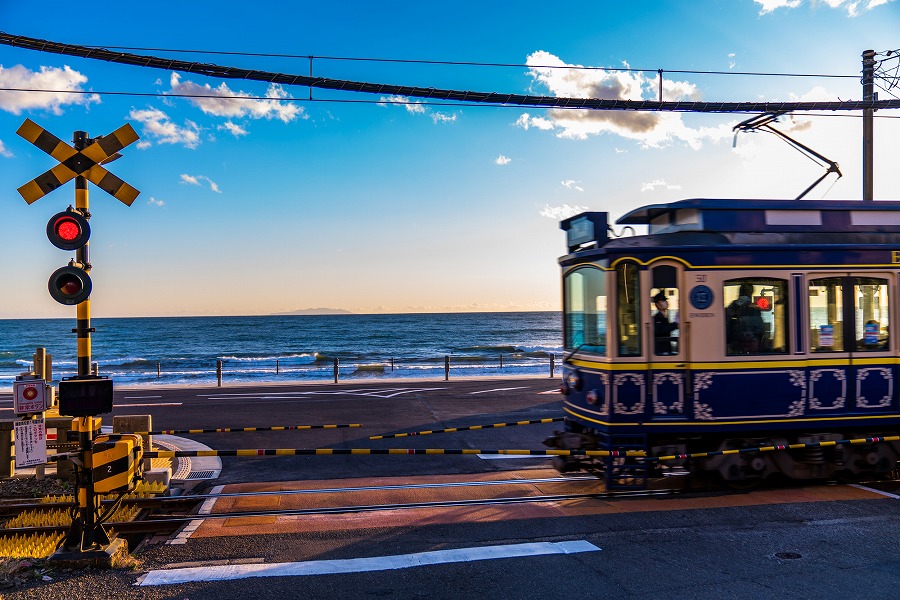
column 83, row 395
column 74, row 162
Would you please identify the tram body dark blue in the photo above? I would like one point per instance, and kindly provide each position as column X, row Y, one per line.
column 784, row 312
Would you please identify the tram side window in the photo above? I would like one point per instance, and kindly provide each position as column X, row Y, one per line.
column 628, row 314
column 756, row 312
column 872, row 314
column 584, row 291
column 826, row 315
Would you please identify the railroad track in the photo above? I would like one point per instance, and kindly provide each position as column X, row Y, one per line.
column 160, row 524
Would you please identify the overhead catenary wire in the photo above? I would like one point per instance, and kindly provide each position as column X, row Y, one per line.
column 430, row 93
column 381, row 101
column 462, row 63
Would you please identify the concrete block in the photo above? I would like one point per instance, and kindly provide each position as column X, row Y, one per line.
column 132, row 423
column 158, row 475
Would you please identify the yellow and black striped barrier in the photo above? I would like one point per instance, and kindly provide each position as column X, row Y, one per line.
column 469, row 428
column 240, row 429
column 361, row 451
column 511, row 452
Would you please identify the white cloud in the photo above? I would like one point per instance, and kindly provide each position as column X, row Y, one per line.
column 768, row 6
column 731, row 61
column 557, row 213
column 159, row 127
column 503, row 160
column 650, row 129
column 4, row 151
column 412, row 106
column 442, row 117
column 224, row 102
column 572, row 185
column 196, row 179
column 853, row 7
column 658, row 183
column 235, row 130
column 154, row 202
column 62, row 81
column 416, row 107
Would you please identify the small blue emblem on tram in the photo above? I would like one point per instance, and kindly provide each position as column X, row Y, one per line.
column 701, row 297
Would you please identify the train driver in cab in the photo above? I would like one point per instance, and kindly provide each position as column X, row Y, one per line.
column 662, row 327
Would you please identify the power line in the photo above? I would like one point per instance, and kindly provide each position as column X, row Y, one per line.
column 465, row 63
column 432, row 93
column 337, row 100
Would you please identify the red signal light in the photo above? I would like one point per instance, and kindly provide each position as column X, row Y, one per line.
column 68, row 230
column 763, row 303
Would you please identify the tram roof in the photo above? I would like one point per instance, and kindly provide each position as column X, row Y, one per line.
column 724, row 215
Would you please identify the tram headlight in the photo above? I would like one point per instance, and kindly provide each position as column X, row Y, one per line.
column 573, row 380
column 592, row 397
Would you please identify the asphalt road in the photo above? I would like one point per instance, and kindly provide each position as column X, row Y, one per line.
column 380, row 407
column 819, row 543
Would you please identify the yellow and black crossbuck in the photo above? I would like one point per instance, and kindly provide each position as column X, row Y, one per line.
column 73, row 163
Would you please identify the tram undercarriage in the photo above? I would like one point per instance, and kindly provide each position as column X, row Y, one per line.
column 732, row 460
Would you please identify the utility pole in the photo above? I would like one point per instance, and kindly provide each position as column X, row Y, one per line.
column 868, row 83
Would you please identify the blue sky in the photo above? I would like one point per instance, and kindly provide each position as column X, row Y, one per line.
column 258, row 206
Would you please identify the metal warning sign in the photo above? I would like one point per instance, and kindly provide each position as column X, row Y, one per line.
column 29, row 396
column 31, row 443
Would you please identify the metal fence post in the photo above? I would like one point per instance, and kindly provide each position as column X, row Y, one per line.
column 446, row 368
column 392, row 364
column 552, row 364
column 277, row 366
column 501, row 361
column 158, row 370
column 336, row 363
column 219, row 372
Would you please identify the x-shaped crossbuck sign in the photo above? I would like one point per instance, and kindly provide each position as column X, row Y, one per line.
column 74, row 163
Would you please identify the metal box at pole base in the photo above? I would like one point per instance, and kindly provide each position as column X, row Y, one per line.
column 118, row 463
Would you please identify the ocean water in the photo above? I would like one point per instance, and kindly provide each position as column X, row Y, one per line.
column 185, row 350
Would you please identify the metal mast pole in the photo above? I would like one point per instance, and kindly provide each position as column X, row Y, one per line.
column 85, row 533
column 868, row 83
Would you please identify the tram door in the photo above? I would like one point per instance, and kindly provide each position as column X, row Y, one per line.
column 667, row 374
column 849, row 319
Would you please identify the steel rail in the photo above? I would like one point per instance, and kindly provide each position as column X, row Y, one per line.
column 158, row 502
column 166, row 523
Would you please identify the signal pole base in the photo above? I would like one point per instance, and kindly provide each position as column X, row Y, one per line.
column 107, row 557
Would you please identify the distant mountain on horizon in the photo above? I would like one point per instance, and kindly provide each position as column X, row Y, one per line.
column 314, row 311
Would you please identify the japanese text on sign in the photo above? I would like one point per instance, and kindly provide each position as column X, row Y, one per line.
column 31, row 443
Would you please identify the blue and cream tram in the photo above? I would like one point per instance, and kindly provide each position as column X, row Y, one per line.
column 780, row 318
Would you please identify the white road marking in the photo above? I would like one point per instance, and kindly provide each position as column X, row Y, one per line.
column 498, row 390
column 361, row 565
column 873, row 490
column 129, row 405
column 549, row 392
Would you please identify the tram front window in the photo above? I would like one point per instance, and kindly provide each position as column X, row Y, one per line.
column 756, row 316
column 584, row 300
column 628, row 315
